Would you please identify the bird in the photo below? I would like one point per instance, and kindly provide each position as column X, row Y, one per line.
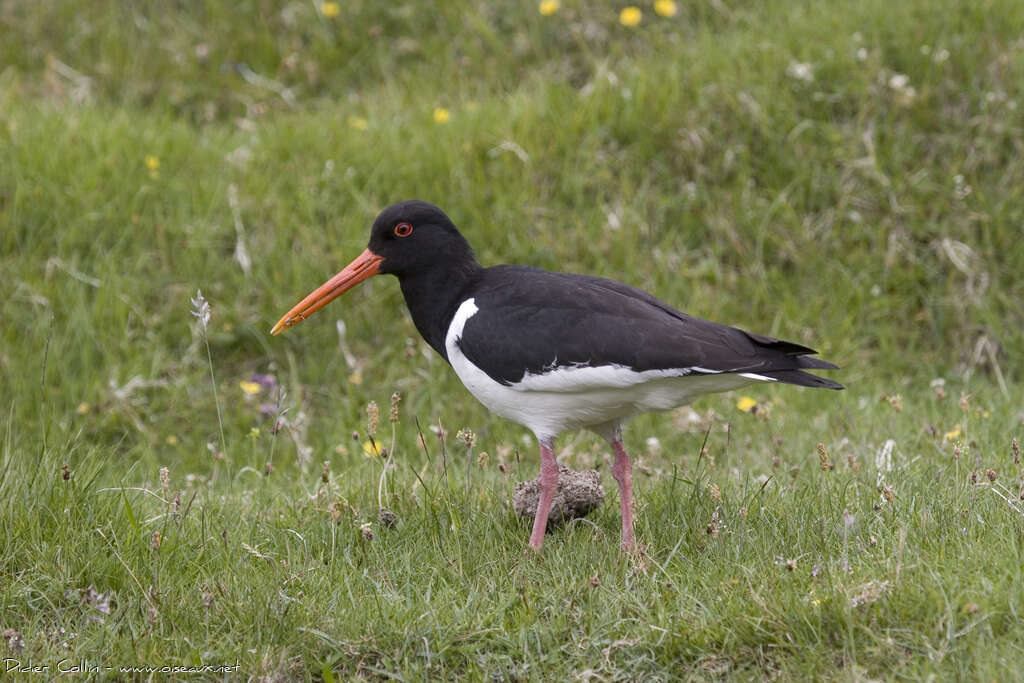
column 555, row 352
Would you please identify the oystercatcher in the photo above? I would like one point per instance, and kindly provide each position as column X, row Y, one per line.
column 557, row 351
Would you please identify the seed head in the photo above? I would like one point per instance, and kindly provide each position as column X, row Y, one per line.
column 388, row 518
column 201, row 309
column 325, row 473
column 334, row 509
column 156, row 540
column 367, row 531
column 65, row 471
column 991, row 474
column 396, row 398
column 1013, row 446
column 466, row 436
column 823, row 455
column 372, row 418
column 715, row 493
column 165, row 478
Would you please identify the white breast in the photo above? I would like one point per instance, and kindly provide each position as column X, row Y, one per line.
column 576, row 397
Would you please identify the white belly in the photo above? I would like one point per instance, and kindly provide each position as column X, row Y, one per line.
column 580, row 397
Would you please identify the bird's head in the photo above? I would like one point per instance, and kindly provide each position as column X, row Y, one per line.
column 406, row 238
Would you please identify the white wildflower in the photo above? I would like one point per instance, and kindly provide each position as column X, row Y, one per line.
column 800, row 71
column 900, row 85
column 899, row 81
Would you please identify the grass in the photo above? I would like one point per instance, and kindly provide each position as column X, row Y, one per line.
column 142, row 150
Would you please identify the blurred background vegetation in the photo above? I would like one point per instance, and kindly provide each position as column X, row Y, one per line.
column 847, row 175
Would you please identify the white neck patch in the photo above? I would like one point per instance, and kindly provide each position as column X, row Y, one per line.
column 467, row 309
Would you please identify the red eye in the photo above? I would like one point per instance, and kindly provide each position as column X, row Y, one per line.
column 403, row 230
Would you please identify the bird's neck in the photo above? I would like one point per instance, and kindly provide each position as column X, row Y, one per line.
column 433, row 296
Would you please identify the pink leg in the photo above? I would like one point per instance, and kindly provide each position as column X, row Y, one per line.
column 548, row 488
column 622, row 470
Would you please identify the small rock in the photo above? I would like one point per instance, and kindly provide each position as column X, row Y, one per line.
column 579, row 494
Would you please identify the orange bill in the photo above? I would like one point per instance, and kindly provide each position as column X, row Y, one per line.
column 365, row 265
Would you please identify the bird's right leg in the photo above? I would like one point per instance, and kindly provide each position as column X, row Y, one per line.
column 548, row 487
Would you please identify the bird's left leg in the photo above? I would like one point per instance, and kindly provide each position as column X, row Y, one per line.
column 622, row 470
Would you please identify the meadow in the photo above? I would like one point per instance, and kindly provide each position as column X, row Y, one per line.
column 181, row 493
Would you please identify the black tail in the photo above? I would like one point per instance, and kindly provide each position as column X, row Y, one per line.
column 804, row 379
column 797, row 358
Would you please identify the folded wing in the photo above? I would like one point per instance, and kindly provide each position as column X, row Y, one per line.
column 561, row 322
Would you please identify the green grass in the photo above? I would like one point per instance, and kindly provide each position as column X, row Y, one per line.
column 877, row 225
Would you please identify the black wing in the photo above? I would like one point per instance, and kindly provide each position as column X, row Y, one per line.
column 533, row 321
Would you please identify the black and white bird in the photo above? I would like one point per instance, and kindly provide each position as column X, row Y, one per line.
column 557, row 351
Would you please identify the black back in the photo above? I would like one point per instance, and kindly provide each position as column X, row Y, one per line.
column 531, row 321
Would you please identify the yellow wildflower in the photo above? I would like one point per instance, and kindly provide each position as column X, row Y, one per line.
column 153, row 165
column 442, row 115
column 548, row 7
column 952, row 433
column 330, row 9
column 83, row 408
column 172, row 440
column 371, row 449
column 746, row 404
column 250, row 387
column 356, row 377
column 358, row 122
column 630, row 16
column 666, row 8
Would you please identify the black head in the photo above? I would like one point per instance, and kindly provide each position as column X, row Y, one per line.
column 414, row 236
column 413, row 240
